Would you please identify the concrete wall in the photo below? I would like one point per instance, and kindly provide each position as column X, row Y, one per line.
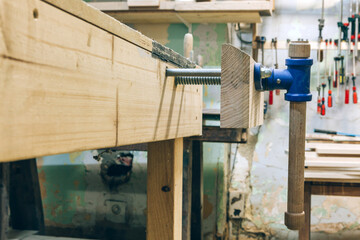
column 261, row 166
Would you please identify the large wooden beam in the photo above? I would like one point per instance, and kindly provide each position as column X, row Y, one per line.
column 73, row 78
column 191, row 12
column 164, row 190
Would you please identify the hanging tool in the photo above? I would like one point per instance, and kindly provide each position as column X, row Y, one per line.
column 347, row 91
column 344, row 27
column 323, row 100
column 341, row 71
column 329, row 93
column 329, row 75
column 318, row 88
column 353, row 77
column 321, row 22
column 276, row 65
column 354, row 90
column 336, row 133
column 356, row 15
column 336, row 75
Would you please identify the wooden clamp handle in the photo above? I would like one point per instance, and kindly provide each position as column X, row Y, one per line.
column 295, row 215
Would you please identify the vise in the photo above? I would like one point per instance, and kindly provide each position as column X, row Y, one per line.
column 242, row 81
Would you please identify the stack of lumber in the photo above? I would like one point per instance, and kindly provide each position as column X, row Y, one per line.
column 332, row 158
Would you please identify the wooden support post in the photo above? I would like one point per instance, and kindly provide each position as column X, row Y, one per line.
column 164, row 190
column 4, row 200
column 295, row 216
column 304, row 233
column 197, row 192
column 25, row 197
column 187, row 186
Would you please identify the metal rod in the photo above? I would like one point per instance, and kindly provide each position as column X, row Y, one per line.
column 356, row 27
column 193, row 72
column 341, row 17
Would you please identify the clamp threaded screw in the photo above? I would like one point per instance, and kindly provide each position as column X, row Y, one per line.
column 193, row 80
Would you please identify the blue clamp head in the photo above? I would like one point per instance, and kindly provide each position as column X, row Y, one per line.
column 295, row 79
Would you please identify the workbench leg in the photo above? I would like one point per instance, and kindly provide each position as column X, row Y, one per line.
column 164, row 190
column 197, row 192
column 25, row 196
column 187, row 183
column 304, row 233
column 4, row 200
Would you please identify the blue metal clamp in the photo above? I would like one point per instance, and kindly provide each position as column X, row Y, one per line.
column 295, row 79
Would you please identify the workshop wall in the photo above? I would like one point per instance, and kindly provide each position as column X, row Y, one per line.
column 260, row 167
column 77, row 200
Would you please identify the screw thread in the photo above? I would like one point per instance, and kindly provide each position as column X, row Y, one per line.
column 197, row 80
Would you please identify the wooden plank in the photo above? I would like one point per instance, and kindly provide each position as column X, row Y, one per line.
column 25, row 197
column 313, row 137
column 336, row 189
column 197, row 192
column 304, row 232
column 241, row 105
column 187, row 189
column 191, row 12
column 139, row 16
column 314, row 156
column 233, row 6
column 224, row 135
column 4, row 200
column 334, row 148
column 92, row 15
column 330, row 176
column 164, row 190
column 80, row 87
column 143, row 3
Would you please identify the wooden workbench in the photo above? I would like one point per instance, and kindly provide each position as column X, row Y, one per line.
column 73, row 79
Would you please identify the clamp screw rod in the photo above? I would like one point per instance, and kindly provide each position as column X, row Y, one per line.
column 197, row 80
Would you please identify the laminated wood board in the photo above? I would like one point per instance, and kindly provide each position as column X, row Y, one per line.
column 72, row 78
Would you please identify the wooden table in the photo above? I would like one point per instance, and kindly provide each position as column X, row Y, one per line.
column 324, row 188
column 331, row 168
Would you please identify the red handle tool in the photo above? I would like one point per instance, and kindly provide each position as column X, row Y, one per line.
column 347, row 96
column 271, row 97
column 330, row 99
column 354, row 95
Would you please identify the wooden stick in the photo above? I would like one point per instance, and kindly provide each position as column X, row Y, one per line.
column 295, row 216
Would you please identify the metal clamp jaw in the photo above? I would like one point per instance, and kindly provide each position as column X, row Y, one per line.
column 295, row 79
